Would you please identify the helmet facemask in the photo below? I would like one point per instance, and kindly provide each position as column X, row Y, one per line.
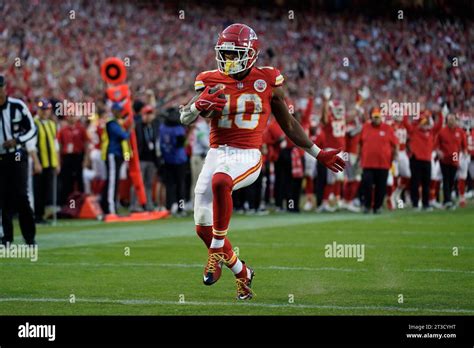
column 245, row 58
column 337, row 109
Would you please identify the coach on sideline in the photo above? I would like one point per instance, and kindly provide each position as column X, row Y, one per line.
column 378, row 148
column 16, row 129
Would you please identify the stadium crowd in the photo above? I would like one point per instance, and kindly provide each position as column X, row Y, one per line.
column 51, row 52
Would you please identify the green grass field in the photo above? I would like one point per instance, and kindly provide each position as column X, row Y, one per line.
column 406, row 253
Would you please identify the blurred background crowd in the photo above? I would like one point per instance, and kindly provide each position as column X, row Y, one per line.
column 51, row 52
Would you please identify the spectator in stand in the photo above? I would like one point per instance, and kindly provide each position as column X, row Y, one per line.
column 421, row 138
column 147, row 142
column 47, row 151
column 378, row 148
column 73, row 143
column 451, row 145
column 172, row 139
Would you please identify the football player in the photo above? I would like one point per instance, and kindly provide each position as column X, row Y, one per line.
column 239, row 98
column 402, row 171
column 354, row 123
column 333, row 125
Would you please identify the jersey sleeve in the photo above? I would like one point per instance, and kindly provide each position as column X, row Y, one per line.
column 199, row 83
column 274, row 76
column 277, row 78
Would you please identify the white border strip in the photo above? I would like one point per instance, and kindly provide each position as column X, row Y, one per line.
column 236, row 304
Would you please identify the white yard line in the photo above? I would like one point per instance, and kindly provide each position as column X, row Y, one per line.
column 236, row 304
column 183, row 265
column 197, row 265
column 440, row 270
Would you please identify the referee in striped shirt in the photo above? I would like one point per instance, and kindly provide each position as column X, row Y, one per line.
column 17, row 129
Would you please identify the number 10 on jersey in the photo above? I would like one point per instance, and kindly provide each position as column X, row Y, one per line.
column 243, row 118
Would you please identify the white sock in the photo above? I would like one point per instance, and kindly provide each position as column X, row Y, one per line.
column 237, row 268
column 217, row 243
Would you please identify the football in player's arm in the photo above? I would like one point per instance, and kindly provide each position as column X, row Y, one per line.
column 208, row 104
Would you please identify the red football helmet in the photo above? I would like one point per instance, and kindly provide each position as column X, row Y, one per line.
column 338, row 109
column 241, row 42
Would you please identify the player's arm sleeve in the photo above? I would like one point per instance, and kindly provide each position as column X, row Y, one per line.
column 199, row 82
column 188, row 114
column 276, row 79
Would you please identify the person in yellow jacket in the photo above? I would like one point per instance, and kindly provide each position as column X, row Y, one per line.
column 47, row 154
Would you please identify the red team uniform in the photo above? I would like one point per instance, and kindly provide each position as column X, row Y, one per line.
column 234, row 160
column 402, row 172
column 246, row 113
column 238, row 96
column 335, row 133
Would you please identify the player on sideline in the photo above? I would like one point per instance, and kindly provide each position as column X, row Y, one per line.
column 239, row 110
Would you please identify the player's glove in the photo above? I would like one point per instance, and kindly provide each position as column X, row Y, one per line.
column 327, row 93
column 364, row 93
column 208, row 101
column 331, row 160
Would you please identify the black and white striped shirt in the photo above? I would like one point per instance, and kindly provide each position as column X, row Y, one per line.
column 16, row 123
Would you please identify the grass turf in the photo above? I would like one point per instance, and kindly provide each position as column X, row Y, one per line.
column 406, row 253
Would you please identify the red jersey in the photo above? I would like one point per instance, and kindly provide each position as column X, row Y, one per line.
column 451, row 141
column 470, row 141
column 335, row 133
column 73, row 138
column 352, row 141
column 273, row 136
column 377, row 144
column 402, row 135
column 421, row 141
column 245, row 116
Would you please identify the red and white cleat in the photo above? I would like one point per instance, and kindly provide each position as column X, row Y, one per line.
column 213, row 269
column 244, row 286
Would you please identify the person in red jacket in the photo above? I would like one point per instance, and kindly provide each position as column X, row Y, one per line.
column 421, row 139
column 451, row 145
column 378, row 148
column 73, row 140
